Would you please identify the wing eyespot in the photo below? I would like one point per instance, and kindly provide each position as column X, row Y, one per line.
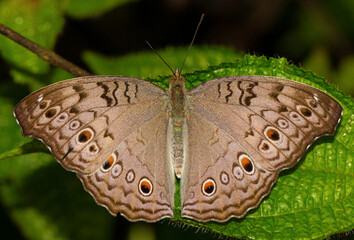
column 294, row 116
column 265, row 146
column 92, row 149
column 107, row 165
column 145, row 187
column 272, row 134
column 237, row 172
column 117, row 170
column 130, row 176
column 50, row 113
column 305, row 111
column 283, row 123
column 246, row 164
column 43, row 105
column 63, row 117
column 85, row 135
column 75, row 124
column 209, row 187
column 224, row 178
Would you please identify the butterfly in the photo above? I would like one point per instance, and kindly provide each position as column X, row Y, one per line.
column 225, row 140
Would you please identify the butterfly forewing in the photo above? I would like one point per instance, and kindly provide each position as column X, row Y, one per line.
column 83, row 119
column 284, row 114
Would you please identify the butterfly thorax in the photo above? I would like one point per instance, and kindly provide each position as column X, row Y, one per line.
column 177, row 127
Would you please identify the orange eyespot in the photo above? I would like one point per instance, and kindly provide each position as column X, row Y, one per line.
column 306, row 112
column 84, row 136
column 108, row 163
column 209, row 187
column 110, row 160
column 246, row 164
column 145, row 187
column 50, row 113
column 272, row 134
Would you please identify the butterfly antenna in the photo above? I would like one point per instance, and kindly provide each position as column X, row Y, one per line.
column 190, row 45
column 160, row 57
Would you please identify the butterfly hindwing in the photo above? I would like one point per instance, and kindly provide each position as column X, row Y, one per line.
column 137, row 180
column 221, row 180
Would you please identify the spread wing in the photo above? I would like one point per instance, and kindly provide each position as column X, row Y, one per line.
column 104, row 125
column 243, row 130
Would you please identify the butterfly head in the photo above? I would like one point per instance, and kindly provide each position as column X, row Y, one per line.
column 177, row 79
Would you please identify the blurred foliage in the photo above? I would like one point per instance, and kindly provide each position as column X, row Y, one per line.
column 201, row 57
column 42, row 201
column 91, row 8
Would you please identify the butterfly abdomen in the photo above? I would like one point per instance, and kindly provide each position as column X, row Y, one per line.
column 177, row 144
column 177, row 126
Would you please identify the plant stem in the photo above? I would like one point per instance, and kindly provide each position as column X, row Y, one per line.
column 43, row 53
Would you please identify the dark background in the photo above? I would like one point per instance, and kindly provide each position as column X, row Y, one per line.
column 318, row 35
